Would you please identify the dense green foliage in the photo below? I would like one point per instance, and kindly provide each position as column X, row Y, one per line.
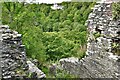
column 49, row 34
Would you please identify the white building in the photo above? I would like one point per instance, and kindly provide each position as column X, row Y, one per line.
column 55, row 6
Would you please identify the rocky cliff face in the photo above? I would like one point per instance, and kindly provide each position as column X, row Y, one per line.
column 103, row 43
column 13, row 60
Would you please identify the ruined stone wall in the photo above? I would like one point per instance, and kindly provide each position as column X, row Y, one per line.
column 13, row 57
column 99, row 61
column 13, row 60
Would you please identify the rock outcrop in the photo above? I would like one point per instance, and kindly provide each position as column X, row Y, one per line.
column 103, row 43
column 34, row 69
column 13, row 60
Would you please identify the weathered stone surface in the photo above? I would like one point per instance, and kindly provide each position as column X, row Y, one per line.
column 33, row 68
column 13, row 60
column 99, row 61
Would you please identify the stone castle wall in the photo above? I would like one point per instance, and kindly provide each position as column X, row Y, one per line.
column 13, row 60
column 12, row 51
column 99, row 61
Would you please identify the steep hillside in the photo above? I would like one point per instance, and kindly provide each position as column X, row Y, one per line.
column 49, row 34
